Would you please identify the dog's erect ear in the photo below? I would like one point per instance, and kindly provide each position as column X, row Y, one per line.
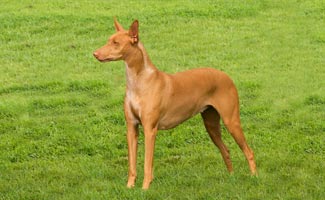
column 118, row 26
column 134, row 31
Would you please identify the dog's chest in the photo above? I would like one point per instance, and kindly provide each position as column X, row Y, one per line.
column 134, row 102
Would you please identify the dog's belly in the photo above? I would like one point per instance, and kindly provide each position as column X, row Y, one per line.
column 170, row 123
column 173, row 118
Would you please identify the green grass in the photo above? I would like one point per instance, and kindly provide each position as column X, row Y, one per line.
column 62, row 129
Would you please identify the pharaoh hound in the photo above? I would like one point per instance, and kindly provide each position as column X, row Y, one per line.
column 159, row 101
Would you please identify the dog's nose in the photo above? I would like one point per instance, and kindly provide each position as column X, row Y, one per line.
column 96, row 54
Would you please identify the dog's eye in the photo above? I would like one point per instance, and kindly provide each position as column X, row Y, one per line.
column 115, row 42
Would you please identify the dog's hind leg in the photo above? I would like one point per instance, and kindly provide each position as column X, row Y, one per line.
column 233, row 126
column 228, row 107
column 211, row 120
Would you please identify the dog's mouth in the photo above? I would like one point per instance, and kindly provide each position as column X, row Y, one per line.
column 102, row 58
column 105, row 60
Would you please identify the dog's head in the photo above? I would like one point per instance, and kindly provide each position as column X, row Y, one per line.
column 119, row 44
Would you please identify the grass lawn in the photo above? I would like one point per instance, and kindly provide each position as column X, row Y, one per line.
column 62, row 129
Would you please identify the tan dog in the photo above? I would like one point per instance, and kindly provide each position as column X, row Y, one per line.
column 160, row 101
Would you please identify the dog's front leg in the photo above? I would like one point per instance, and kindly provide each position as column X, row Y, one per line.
column 150, row 137
column 132, row 137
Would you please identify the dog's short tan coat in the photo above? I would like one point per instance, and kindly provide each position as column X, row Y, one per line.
column 158, row 101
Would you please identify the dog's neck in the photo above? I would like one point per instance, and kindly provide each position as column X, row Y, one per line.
column 138, row 66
